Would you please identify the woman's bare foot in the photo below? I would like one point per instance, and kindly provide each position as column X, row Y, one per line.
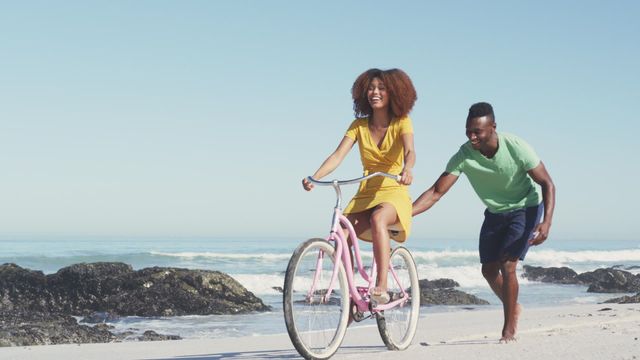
column 379, row 295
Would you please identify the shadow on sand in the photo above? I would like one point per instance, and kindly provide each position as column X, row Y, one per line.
column 265, row 354
column 271, row 354
column 462, row 342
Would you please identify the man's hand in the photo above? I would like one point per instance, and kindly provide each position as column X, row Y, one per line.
column 540, row 233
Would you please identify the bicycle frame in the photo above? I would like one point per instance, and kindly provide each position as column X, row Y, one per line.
column 341, row 245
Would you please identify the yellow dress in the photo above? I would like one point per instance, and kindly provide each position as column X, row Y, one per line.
column 389, row 157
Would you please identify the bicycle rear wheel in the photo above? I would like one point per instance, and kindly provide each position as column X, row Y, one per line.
column 398, row 325
column 315, row 325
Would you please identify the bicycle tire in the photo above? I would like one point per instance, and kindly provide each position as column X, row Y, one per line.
column 397, row 326
column 316, row 328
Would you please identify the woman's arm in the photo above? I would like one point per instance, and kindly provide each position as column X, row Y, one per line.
column 332, row 162
column 406, row 176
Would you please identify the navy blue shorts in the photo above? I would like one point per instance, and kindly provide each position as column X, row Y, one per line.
column 507, row 235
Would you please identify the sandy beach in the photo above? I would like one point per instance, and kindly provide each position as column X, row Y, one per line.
column 594, row 331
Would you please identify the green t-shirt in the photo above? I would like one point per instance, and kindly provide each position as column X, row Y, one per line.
column 502, row 182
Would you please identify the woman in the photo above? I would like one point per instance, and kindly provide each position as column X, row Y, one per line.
column 382, row 100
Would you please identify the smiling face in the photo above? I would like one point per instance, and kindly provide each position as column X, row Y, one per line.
column 481, row 132
column 377, row 95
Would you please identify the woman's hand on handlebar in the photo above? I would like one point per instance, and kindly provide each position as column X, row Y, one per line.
column 406, row 176
column 306, row 184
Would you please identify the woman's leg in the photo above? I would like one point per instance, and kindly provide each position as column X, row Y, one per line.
column 360, row 222
column 383, row 216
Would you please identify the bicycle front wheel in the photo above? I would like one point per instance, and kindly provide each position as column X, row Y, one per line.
column 398, row 325
column 316, row 325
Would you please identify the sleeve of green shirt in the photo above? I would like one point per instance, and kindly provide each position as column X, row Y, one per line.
column 526, row 155
column 455, row 164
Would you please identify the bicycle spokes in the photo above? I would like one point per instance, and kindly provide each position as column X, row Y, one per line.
column 316, row 316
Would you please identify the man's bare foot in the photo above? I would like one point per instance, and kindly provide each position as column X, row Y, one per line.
column 508, row 338
column 509, row 334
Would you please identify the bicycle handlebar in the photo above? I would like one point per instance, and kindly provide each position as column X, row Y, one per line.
column 353, row 181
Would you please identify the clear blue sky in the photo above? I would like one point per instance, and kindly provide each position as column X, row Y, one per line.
column 200, row 118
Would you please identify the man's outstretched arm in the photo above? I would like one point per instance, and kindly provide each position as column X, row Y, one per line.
column 435, row 192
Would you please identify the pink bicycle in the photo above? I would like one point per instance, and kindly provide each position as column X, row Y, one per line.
column 320, row 290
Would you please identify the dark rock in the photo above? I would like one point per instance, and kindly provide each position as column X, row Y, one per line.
column 171, row 292
column 83, row 289
column 625, row 300
column 23, row 289
column 36, row 309
column 103, row 326
column 100, row 317
column 441, row 292
column 449, row 297
column 438, row 284
column 151, row 335
column 555, row 275
column 610, row 281
column 126, row 335
column 278, row 289
column 23, row 328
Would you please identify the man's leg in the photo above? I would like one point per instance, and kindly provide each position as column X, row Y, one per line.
column 491, row 273
column 502, row 279
column 509, row 299
column 516, row 243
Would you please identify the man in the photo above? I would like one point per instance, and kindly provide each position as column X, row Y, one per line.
column 514, row 185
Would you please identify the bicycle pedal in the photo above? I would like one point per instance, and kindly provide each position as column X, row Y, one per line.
column 356, row 315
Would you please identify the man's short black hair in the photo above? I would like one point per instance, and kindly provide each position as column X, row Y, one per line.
column 481, row 109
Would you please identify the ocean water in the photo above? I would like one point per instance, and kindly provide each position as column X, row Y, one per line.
column 259, row 265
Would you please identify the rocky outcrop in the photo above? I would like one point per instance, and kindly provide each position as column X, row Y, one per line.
column 151, row 335
column 441, row 292
column 449, row 297
column 610, row 281
column 171, row 292
column 438, row 284
column 83, row 289
column 625, row 299
column 23, row 289
column 555, row 275
column 100, row 318
column 37, row 308
column 23, row 328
